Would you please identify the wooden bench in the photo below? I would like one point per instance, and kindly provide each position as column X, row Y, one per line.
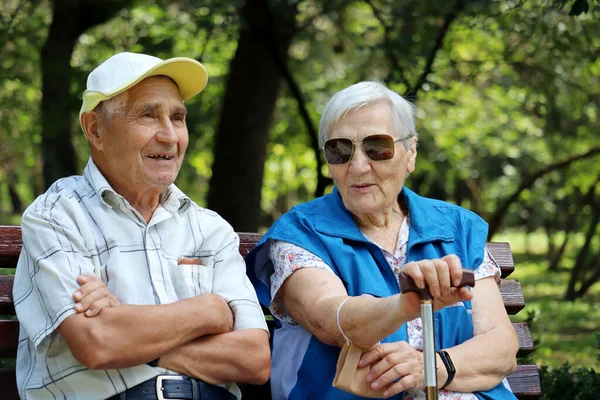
column 525, row 382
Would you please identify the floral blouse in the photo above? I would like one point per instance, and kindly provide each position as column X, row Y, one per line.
column 287, row 258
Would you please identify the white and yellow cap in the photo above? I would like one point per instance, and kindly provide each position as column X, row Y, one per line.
column 124, row 70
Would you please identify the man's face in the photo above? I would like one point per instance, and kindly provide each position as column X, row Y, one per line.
column 143, row 138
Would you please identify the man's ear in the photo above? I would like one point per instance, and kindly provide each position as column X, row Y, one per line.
column 90, row 121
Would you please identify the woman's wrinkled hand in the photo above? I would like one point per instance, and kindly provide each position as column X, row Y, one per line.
column 441, row 276
column 394, row 366
column 93, row 296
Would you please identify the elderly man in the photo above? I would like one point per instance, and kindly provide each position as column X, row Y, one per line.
column 125, row 288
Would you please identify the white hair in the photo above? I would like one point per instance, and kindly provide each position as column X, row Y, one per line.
column 366, row 93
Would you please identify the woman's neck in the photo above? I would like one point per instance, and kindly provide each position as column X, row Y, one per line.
column 383, row 227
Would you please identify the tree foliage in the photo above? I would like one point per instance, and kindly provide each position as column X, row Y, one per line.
column 507, row 97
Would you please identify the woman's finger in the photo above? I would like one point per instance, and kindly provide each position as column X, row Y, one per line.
column 382, row 366
column 430, row 274
column 443, row 276
column 403, row 365
column 455, row 267
column 464, row 294
column 404, row 383
column 413, row 270
column 375, row 353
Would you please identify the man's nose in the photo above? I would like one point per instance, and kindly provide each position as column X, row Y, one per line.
column 166, row 132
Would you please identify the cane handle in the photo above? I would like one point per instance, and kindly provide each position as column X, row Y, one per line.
column 407, row 284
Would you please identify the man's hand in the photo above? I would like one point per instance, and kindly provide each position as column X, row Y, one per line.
column 93, row 296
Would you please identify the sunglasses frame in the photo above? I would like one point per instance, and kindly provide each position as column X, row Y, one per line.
column 354, row 144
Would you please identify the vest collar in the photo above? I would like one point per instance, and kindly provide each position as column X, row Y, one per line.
column 428, row 221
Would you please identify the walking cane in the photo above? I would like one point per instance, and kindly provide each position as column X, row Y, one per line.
column 407, row 285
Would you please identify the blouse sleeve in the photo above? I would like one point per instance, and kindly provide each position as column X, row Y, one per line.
column 287, row 258
column 489, row 267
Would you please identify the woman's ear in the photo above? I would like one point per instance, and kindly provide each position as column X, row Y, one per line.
column 90, row 122
column 412, row 155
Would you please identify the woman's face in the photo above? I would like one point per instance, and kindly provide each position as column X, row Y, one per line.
column 366, row 186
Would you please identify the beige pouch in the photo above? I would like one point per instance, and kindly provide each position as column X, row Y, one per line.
column 352, row 378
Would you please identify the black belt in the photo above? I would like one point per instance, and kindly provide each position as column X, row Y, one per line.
column 174, row 387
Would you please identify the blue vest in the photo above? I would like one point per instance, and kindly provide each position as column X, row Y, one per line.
column 326, row 228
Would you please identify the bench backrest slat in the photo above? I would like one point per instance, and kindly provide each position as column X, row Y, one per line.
column 6, row 298
column 9, row 338
column 10, row 245
column 525, row 382
column 8, row 381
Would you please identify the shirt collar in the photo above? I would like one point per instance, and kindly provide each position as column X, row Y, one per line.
column 172, row 199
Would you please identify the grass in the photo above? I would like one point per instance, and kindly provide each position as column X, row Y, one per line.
column 563, row 331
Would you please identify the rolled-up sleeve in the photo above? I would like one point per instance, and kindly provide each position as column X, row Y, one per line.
column 230, row 281
column 52, row 257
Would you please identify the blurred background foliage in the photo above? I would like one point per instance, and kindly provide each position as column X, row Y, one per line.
column 507, row 96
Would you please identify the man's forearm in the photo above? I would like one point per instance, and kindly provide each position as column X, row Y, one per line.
column 130, row 335
column 239, row 356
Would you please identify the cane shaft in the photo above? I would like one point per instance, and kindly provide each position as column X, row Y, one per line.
column 431, row 393
column 429, row 349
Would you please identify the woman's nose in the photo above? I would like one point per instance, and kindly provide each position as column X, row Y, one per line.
column 359, row 161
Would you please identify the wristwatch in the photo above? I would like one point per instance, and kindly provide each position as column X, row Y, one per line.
column 449, row 367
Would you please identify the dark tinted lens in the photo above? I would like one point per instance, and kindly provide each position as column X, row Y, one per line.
column 338, row 151
column 378, row 147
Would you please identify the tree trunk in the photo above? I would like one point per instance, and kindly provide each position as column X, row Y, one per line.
column 581, row 261
column 322, row 180
column 577, row 275
column 557, row 255
column 15, row 199
column 70, row 19
column 591, row 280
column 57, row 149
column 253, row 86
column 569, row 225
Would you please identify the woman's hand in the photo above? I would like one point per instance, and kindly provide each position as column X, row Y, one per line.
column 441, row 276
column 93, row 296
column 394, row 366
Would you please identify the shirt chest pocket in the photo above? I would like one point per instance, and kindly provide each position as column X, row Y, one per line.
column 193, row 276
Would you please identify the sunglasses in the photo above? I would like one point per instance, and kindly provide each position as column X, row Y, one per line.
column 376, row 147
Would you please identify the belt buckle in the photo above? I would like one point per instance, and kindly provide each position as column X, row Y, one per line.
column 159, row 387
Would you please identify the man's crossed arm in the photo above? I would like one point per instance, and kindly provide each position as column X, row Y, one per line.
column 192, row 336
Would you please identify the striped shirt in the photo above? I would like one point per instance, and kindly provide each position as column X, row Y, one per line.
column 82, row 226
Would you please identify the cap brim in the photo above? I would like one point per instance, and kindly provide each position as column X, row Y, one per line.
column 189, row 75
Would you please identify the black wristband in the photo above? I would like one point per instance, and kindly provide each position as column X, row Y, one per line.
column 449, row 367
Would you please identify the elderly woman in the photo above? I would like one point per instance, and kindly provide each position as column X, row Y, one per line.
column 328, row 269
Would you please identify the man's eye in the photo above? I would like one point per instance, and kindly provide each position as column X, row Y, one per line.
column 147, row 115
column 178, row 117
